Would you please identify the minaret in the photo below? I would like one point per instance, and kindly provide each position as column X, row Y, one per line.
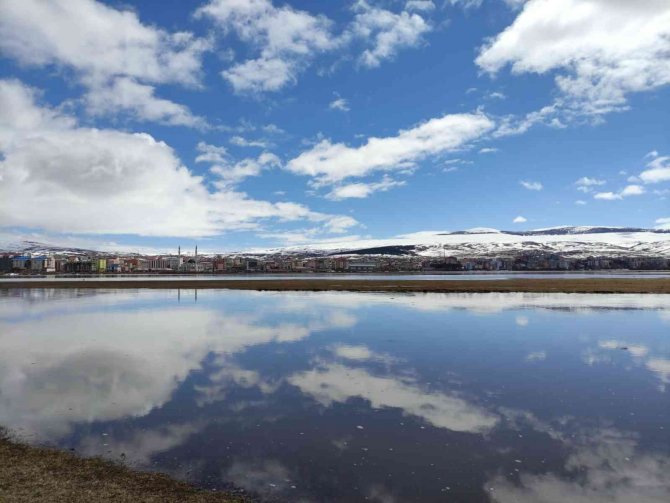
column 196, row 258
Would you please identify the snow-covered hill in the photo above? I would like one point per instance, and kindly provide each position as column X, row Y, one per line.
column 576, row 242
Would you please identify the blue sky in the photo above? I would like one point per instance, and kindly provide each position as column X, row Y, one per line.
column 238, row 124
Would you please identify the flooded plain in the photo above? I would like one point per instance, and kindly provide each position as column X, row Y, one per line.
column 340, row 396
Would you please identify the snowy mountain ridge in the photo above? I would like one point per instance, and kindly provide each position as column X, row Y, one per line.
column 569, row 241
column 583, row 241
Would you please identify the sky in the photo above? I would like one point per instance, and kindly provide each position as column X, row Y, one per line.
column 237, row 124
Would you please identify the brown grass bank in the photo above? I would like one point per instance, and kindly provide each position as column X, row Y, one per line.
column 579, row 285
column 37, row 474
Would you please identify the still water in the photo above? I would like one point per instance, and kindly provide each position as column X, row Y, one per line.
column 453, row 276
column 337, row 396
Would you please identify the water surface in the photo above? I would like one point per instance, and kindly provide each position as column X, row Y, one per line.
column 447, row 276
column 337, row 396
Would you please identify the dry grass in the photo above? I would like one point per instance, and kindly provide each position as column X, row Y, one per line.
column 580, row 285
column 35, row 474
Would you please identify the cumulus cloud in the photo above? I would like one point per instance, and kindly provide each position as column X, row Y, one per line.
column 600, row 50
column 101, row 181
column 362, row 190
column 240, row 141
column 139, row 101
column 287, row 40
column 586, row 184
column 629, row 190
column 211, row 153
column 353, row 352
column 612, row 468
column 520, row 220
column 335, row 383
column 284, row 37
column 658, row 170
column 233, row 173
column 137, row 358
column 259, row 75
column 388, row 31
column 116, row 57
column 333, row 162
column 420, row 5
column 531, row 185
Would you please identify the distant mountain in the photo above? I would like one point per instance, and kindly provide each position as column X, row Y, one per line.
column 567, row 241
column 37, row 248
column 576, row 242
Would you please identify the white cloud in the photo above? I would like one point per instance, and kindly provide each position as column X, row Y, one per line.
column 338, row 383
column 211, row 153
column 466, row 4
column 658, row 170
column 496, row 95
column 260, row 75
column 586, row 184
column 520, row 220
column 240, row 141
column 352, row 352
column 601, row 50
column 330, row 163
column 521, row 321
column 514, row 125
column 340, row 104
column 143, row 352
column 632, row 190
column 531, row 185
column 112, row 53
column 607, row 196
column 580, row 202
column 138, row 100
column 420, row 5
column 389, row 32
column 536, row 356
column 488, row 150
column 612, row 468
column 101, row 181
column 362, row 190
column 629, row 190
column 233, row 173
column 285, row 38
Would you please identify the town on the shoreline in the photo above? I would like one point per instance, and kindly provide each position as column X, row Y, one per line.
column 103, row 263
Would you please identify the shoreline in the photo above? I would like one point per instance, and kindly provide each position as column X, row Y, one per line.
column 30, row 474
column 530, row 285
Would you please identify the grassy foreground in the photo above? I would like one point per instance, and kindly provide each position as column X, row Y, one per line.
column 36, row 474
column 552, row 285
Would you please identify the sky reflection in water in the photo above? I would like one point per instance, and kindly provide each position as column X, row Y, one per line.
column 346, row 396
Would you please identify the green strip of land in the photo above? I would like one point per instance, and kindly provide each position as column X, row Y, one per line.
column 572, row 285
column 36, row 474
